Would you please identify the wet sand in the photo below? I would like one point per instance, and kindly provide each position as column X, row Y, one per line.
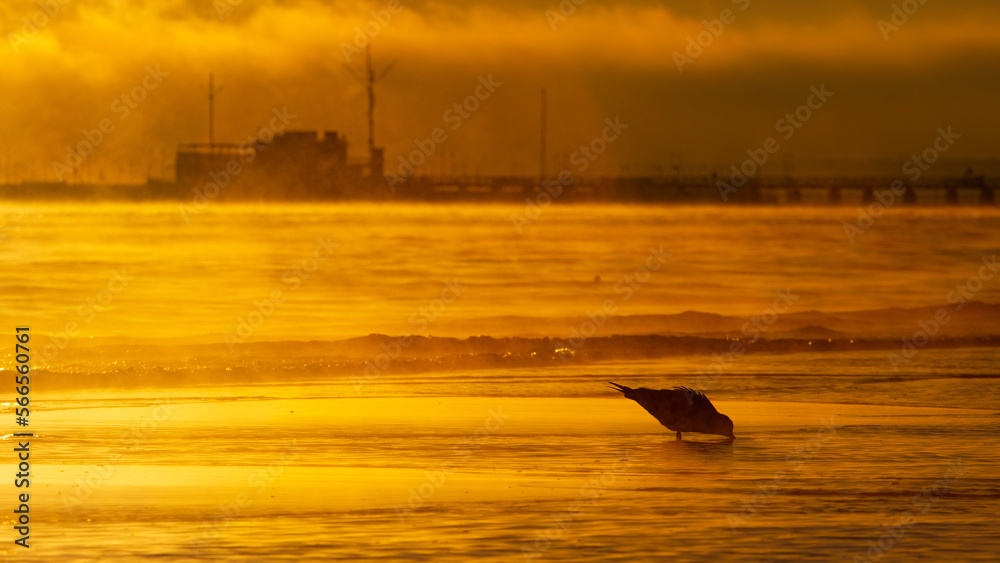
column 501, row 478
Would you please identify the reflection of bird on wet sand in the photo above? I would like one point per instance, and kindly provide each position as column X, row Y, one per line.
column 681, row 409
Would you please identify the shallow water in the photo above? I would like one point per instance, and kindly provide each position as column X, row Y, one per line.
column 158, row 438
column 389, row 263
column 334, row 477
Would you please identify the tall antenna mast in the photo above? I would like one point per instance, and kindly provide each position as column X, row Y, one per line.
column 371, row 98
column 370, row 78
column 541, row 154
column 211, row 107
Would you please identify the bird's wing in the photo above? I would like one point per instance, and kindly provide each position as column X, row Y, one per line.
column 696, row 399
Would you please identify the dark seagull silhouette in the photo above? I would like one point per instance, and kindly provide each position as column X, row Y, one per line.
column 681, row 409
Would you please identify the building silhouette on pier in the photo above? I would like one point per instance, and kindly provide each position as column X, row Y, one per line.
column 296, row 165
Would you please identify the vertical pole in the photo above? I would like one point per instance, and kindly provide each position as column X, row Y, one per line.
column 211, row 110
column 371, row 101
column 541, row 154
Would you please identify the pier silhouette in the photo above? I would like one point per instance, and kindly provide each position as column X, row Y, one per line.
column 360, row 184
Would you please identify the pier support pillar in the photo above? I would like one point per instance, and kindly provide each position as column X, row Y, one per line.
column 793, row 194
column 833, row 196
column 952, row 195
column 868, row 195
column 986, row 196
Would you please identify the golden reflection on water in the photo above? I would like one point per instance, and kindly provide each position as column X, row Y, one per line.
column 252, row 272
column 407, row 470
column 451, row 460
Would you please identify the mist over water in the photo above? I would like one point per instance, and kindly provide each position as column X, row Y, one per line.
column 390, row 382
column 432, row 368
column 358, row 292
column 349, row 270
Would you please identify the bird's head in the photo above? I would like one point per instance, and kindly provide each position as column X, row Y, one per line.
column 723, row 426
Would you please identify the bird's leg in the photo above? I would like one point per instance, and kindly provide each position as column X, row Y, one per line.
column 678, row 434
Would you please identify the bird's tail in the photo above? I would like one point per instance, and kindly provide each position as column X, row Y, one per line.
column 621, row 388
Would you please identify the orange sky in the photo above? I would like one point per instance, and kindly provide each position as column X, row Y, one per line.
column 605, row 59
